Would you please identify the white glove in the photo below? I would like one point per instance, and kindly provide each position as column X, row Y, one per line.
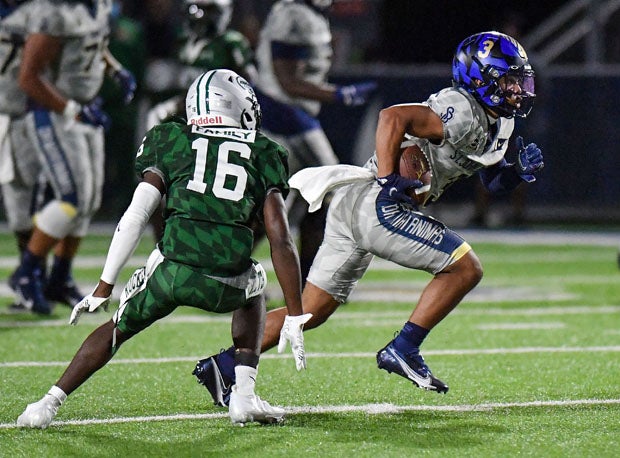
column 292, row 331
column 90, row 303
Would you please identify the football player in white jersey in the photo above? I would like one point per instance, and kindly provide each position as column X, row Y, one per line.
column 462, row 130
column 22, row 189
column 293, row 56
column 64, row 61
column 17, row 195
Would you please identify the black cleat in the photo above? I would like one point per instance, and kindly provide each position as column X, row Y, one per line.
column 220, row 386
column 412, row 367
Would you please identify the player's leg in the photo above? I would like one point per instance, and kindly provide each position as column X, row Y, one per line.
column 412, row 239
column 141, row 305
column 247, row 333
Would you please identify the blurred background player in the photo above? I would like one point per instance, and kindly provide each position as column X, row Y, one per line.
column 63, row 66
column 19, row 190
column 205, row 258
column 207, row 44
column 293, row 57
column 462, row 130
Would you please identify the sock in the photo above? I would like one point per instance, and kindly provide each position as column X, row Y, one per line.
column 57, row 395
column 29, row 263
column 246, row 379
column 226, row 362
column 410, row 338
column 61, row 269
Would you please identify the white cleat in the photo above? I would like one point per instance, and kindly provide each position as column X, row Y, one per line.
column 247, row 408
column 39, row 414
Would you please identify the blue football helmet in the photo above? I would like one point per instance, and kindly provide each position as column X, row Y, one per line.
column 490, row 65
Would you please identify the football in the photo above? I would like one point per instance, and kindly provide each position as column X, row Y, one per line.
column 413, row 164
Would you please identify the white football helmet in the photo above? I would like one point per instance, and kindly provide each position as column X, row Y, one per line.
column 222, row 98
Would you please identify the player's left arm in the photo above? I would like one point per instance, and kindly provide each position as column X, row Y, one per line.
column 283, row 250
column 504, row 176
column 123, row 77
column 286, row 266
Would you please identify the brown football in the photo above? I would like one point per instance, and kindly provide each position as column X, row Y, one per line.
column 413, row 164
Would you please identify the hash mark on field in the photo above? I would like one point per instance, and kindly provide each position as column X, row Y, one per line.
column 454, row 352
column 372, row 409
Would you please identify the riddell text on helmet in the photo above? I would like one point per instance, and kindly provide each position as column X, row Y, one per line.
column 206, row 120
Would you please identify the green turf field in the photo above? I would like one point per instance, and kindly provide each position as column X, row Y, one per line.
column 532, row 357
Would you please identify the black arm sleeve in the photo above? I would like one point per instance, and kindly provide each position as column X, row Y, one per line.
column 500, row 178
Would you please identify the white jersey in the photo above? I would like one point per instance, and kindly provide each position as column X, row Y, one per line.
column 13, row 31
column 295, row 23
column 85, row 33
column 472, row 140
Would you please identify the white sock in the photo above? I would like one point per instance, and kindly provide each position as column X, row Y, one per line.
column 58, row 396
column 246, row 379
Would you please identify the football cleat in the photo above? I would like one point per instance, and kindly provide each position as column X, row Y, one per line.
column 39, row 414
column 245, row 409
column 66, row 293
column 411, row 366
column 219, row 385
column 28, row 289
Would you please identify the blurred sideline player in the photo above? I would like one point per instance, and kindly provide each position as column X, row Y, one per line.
column 219, row 172
column 294, row 56
column 462, row 130
column 19, row 198
column 207, row 44
column 63, row 65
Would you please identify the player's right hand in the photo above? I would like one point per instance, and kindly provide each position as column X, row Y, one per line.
column 355, row 94
column 89, row 304
column 292, row 331
column 93, row 114
column 394, row 187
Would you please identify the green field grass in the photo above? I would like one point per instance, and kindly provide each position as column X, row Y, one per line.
column 532, row 357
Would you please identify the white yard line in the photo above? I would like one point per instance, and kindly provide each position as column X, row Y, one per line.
column 371, row 409
column 342, row 314
column 447, row 352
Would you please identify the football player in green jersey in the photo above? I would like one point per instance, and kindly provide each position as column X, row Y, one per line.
column 218, row 173
column 207, row 44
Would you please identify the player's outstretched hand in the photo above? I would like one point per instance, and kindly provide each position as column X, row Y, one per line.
column 395, row 187
column 355, row 94
column 529, row 160
column 292, row 331
column 127, row 82
column 93, row 114
column 89, row 304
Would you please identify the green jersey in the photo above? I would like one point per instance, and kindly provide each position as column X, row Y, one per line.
column 229, row 50
column 216, row 182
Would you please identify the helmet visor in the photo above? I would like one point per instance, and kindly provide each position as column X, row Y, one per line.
column 518, row 91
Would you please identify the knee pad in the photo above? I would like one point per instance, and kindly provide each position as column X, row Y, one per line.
column 56, row 218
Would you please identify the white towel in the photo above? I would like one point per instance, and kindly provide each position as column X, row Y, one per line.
column 314, row 182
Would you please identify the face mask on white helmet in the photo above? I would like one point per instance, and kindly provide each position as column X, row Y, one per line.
column 222, row 98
